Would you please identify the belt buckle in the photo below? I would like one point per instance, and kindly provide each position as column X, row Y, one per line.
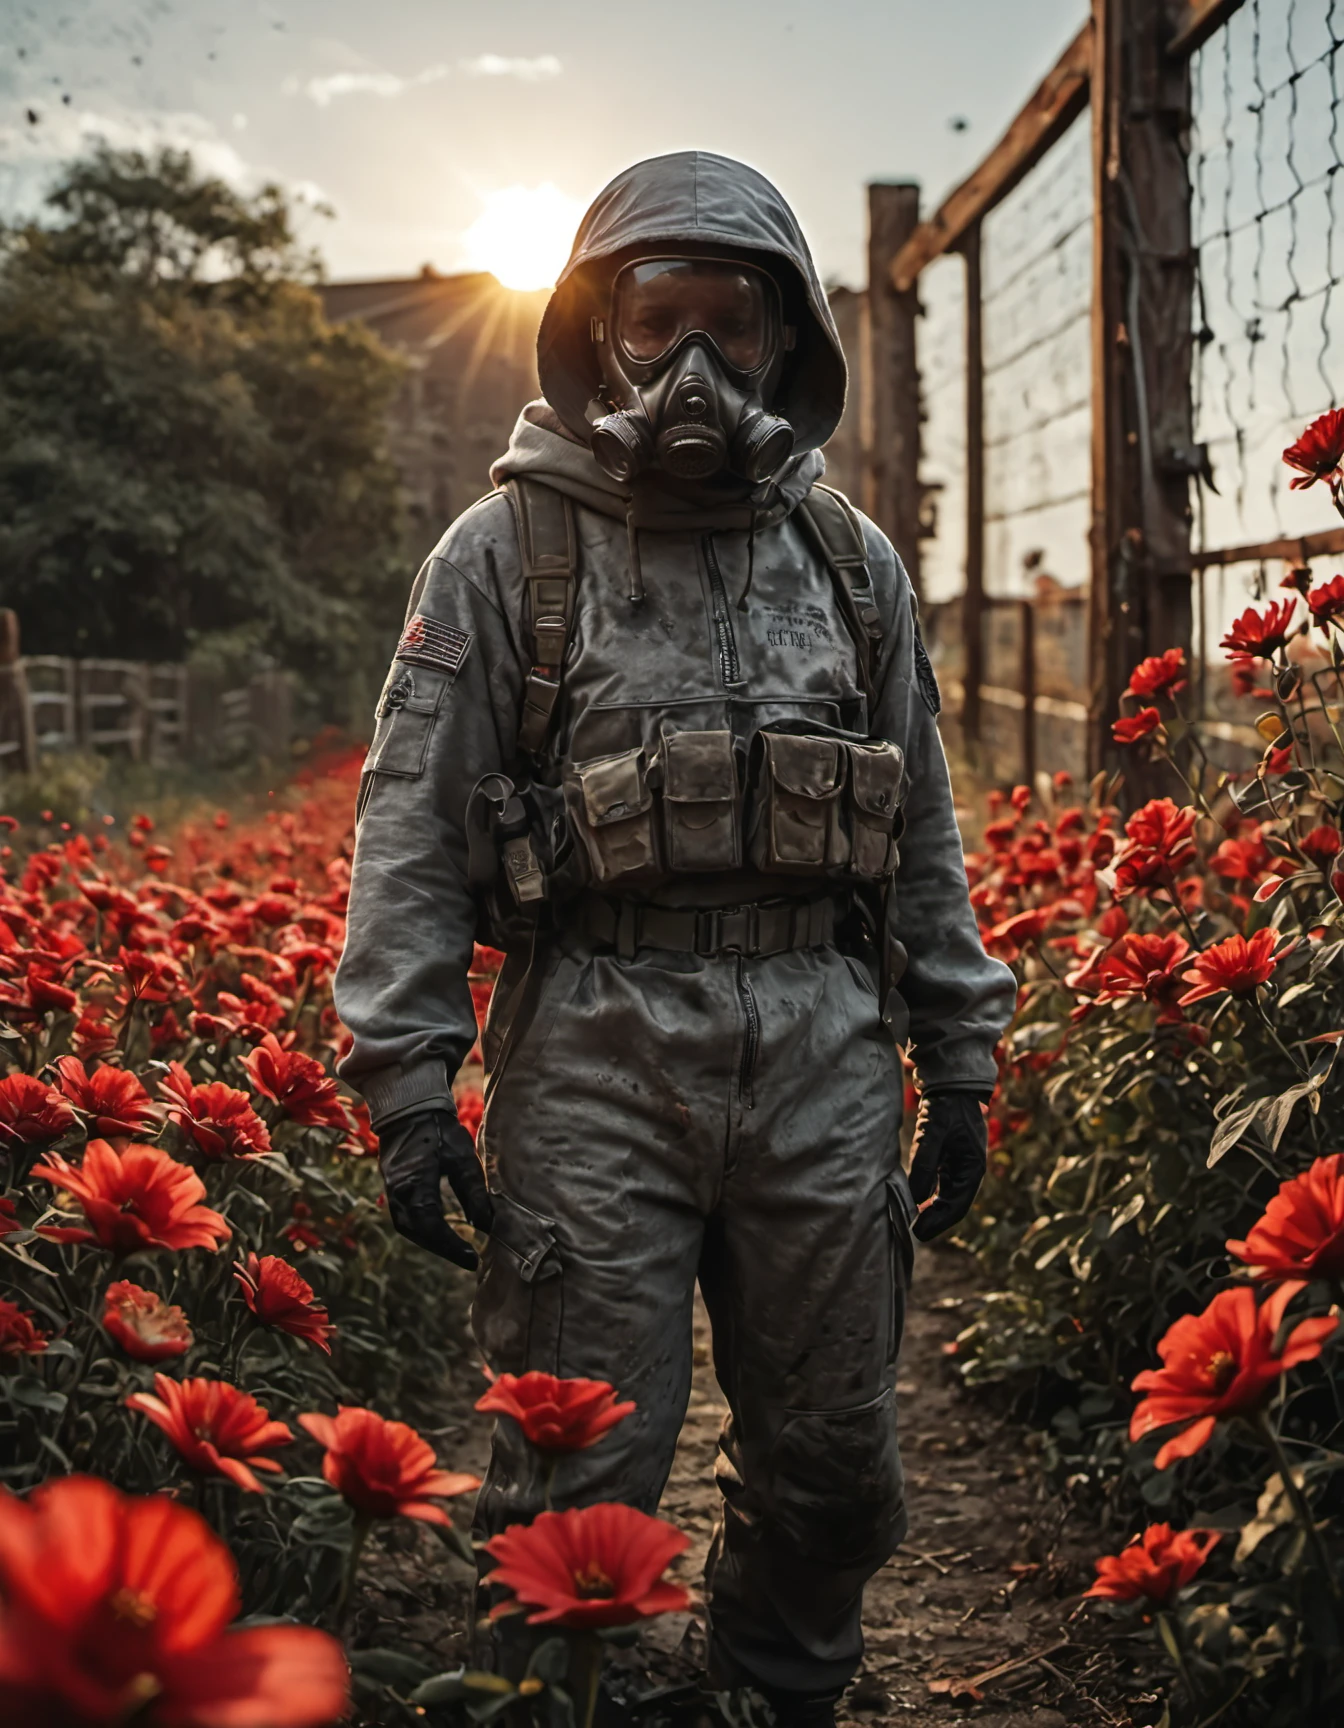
column 739, row 930
column 707, row 931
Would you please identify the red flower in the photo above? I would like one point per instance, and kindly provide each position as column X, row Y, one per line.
column 1220, row 1363
column 555, row 1415
column 471, row 1110
column 297, row 1083
column 1129, row 728
column 1158, row 675
column 1241, row 859
column 1144, row 966
column 147, row 1328
column 1321, row 845
column 139, row 1198
column 218, row 1119
column 1159, row 838
column 115, row 1100
column 1261, row 633
column 31, row 1112
column 384, row 1468
column 9, row 1217
column 278, row 1297
column 217, row 1430
column 589, row 1567
column 1234, row 964
column 1326, row 601
column 115, row 1609
column 18, row 1335
column 1154, row 1566
column 1319, row 451
column 1301, row 1234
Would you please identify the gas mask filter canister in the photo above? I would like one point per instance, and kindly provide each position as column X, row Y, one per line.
column 690, row 353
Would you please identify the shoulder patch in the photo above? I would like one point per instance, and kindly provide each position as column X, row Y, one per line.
column 926, row 677
column 429, row 642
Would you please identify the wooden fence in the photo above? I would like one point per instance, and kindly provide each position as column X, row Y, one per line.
column 143, row 711
column 1191, row 122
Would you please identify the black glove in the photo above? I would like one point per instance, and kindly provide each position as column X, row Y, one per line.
column 414, row 1152
column 951, row 1153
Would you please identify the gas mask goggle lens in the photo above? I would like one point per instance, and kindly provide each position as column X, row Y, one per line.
column 694, row 348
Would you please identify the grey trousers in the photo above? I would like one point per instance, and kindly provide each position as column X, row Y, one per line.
column 671, row 1117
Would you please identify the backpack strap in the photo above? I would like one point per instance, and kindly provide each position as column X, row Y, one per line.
column 836, row 533
column 547, row 545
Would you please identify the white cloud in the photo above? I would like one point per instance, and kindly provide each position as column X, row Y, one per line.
column 531, row 71
column 324, row 91
column 33, row 154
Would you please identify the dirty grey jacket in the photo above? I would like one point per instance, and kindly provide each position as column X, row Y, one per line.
column 698, row 652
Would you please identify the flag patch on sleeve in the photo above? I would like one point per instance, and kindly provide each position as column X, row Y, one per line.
column 429, row 642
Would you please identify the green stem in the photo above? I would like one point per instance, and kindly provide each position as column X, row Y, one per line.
column 359, row 1535
column 1301, row 1508
column 592, row 1649
column 1172, row 1639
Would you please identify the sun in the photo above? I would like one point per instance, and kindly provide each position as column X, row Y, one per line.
column 523, row 235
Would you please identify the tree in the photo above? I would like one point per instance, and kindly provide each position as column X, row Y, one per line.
column 188, row 450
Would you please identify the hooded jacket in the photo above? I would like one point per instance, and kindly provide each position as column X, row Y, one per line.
column 696, row 650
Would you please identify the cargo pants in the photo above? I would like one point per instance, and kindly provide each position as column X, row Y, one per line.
column 670, row 1117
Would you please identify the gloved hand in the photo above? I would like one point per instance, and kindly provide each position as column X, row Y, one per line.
column 951, row 1154
column 414, row 1152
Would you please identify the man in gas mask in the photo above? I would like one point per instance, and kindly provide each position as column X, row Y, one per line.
column 660, row 724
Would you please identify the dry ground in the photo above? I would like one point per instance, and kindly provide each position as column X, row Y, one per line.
column 983, row 1595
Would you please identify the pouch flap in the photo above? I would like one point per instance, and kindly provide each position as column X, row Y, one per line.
column 527, row 1236
column 807, row 767
column 699, row 768
column 614, row 787
column 875, row 773
column 416, row 688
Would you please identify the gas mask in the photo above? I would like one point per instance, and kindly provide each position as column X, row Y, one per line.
column 691, row 352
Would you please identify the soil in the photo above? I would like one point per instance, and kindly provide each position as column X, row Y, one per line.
column 975, row 1621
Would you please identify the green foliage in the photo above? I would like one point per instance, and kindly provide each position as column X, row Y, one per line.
column 186, row 445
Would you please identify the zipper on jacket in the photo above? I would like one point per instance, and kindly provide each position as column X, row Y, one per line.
column 730, row 669
column 751, row 1035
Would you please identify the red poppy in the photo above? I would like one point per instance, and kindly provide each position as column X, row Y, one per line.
column 216, row 1118
column 1301, row 1234
column 1154, row 1566
column 31, row 1112
column 1241, row 858
column 1261, row 633
column 1221, row 1363
column 18, row 1335
column 1321, row 845
column 297, row 1083
column 555, row 1415
column 217, row 1430
column 384, row 1469
column 1326, row 601
column 1236, row 965
column 1159, row 839
column 1158, row 675
column 1144, row 966
column 113, row 1098
column 278, row 1297
column 589, row 1567
column 1319, row 451
column 139, row 1198
column 115, row 1609
column 147, row 1328
column 1129, row 728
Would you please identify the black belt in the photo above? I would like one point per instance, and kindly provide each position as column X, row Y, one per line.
column 760, row 928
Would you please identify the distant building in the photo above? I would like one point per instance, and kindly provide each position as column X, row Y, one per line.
column 471, row 345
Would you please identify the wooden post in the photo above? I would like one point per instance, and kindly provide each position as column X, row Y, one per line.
column 1027, row 617
column 890, row 378
column 973, row 599
column 16, row 713
column 1143, row 454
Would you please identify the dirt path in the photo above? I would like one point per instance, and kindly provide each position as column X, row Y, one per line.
column 982, row 1591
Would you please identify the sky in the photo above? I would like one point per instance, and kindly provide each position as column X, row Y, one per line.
column 417, row 122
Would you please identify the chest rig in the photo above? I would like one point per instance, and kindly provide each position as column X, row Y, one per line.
column 822, row 806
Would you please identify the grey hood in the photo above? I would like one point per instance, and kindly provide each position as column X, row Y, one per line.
column 545, row 449
column 694, row 197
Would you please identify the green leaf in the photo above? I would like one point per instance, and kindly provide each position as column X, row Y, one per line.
column 550, row 1660
column 389, row 1666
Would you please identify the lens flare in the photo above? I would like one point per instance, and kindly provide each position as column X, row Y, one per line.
column 523, row 235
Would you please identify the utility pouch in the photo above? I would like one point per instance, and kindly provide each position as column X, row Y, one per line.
column 610, row 806
column 875, row 774
column 702, row 816
column 797, row 825
column 407, row 710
